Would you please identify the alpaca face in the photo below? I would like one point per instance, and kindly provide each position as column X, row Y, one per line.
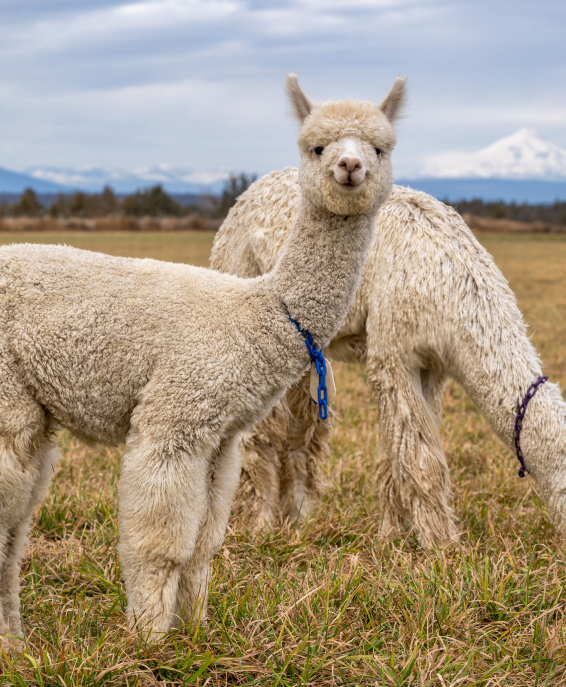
column 345, row 149
column 341, row 169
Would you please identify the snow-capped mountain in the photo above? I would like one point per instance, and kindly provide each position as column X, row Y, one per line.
column 92, row 179
column 522, row 155
column 15, row 182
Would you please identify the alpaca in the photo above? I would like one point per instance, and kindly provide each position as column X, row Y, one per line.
column 177, row 361
column 431, row 305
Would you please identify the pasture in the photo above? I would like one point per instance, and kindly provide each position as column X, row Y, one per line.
column 328, row 603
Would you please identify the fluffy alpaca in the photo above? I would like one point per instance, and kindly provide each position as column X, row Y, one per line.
column 177, row 361
column 431, row 305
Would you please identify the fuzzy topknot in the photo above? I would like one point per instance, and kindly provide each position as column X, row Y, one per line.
column 331, row 120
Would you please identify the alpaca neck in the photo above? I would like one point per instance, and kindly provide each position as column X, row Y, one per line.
column 320, row 268
column 543, row 442
column 543, row 436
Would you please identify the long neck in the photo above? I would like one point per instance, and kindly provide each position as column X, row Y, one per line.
column 497, row 378
column 318, row 273
column 543, row 442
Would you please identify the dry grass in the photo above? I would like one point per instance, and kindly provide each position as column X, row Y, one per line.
column 327, row 604
column 108, row 223
column 509, row 226
column 119, row 223
column 190, row 247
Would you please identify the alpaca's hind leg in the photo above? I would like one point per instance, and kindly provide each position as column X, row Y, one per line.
column 13, row 537
column 262, row 449
column 195, row 573
column 413, row 476
column 26, row 460
column 164, row 499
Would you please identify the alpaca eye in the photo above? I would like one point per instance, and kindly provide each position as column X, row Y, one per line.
column 378, row 151
column 318, row 150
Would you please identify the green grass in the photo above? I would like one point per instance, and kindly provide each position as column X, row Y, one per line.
column 326, row 604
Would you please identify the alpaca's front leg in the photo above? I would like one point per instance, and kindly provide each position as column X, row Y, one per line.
column 413, row 477
column 163, row 501
column 174, row 507
column 194, row 580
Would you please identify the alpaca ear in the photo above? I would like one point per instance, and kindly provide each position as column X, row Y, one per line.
column 300, row 104
column 394, row 102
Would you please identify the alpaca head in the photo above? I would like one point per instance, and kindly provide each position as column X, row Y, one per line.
column 345, row 149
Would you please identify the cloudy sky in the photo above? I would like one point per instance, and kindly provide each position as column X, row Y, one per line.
column 198, row 83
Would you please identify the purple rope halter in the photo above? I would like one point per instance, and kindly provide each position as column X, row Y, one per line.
column 531, row 391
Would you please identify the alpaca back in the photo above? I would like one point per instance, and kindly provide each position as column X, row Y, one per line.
column 252, row 237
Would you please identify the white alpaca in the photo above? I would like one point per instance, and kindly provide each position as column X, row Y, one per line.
column 431, row 305
column 177, row 361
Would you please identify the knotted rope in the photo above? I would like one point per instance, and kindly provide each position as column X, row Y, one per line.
column 531, row 391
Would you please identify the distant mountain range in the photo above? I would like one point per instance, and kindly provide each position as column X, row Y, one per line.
column 93, row 179
column 533, row 191
column 521, row 167
column 15, row 182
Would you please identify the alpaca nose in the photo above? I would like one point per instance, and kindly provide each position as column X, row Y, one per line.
column 350, row 162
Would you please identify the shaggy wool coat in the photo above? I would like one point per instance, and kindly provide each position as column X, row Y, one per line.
column 432, row 305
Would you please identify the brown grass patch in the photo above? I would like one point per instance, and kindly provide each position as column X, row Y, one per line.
column 508, row 226
column 109, row 223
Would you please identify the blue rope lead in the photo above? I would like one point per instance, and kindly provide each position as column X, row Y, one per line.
column 319, row 363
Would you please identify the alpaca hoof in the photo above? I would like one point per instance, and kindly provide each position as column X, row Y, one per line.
column 258, row 519
column 12, row 643
column 391, row 528
column 297, row 515
column 438, row 541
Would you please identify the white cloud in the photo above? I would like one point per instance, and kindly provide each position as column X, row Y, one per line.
column 80, row 29
column 197, row 83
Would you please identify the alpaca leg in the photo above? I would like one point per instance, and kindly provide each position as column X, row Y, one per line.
column 26, row 460
column 308, row 442
column 162, row 500
column 280, row 461
column 412, row 474
column 14, row 537
column 257, row 499
column 195, row 574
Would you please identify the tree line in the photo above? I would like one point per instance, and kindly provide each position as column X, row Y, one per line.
column 552, row 213
column 152, row 202
column 156, row 202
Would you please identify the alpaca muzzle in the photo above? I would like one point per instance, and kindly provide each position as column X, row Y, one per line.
column 349, row 170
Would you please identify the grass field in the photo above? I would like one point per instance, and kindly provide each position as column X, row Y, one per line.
column 328, row 604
